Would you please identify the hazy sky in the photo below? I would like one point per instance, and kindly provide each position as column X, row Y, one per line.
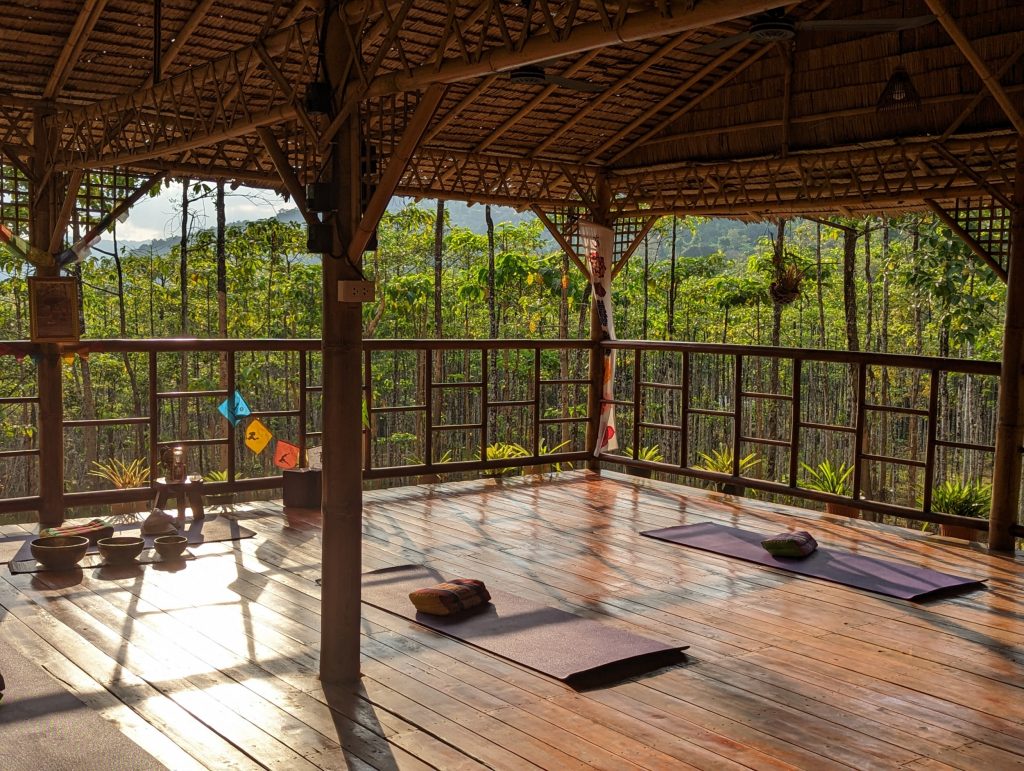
column 160, row 217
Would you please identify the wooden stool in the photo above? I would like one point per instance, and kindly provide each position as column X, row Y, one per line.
column 188, row 491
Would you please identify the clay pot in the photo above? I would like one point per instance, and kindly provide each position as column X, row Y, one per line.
column 842, row 510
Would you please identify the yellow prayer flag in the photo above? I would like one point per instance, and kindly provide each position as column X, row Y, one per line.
column 257, row 436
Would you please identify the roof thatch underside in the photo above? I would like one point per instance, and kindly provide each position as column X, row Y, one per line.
column 748, row 129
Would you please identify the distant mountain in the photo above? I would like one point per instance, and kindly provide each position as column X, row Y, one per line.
column 734, row 238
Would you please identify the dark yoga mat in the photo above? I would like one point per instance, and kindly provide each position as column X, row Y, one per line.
column 577, row 650
column 893, row 579
column 209, row 530
column 44, row 726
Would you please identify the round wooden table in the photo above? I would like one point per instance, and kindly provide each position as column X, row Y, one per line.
column 187, row 491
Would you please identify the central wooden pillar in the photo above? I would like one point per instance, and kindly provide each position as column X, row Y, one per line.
column 1006, row 472
column 342, row 411
column 45, row 201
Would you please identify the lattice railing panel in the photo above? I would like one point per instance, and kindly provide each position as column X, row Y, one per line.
column 14, row 199
column 988, row 223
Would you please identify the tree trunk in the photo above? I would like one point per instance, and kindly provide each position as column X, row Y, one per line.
column 492, row 314
column 850, row 288
column 438, row 266
column 646, row 282
column 672, row 283
column 822, row 338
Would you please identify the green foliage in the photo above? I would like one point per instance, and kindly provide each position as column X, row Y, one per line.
column 964, row 499
column 651, row 454
column 721, row 461
column 826, row 478
column 121, row 474
column 216, row 476
column 504, row 451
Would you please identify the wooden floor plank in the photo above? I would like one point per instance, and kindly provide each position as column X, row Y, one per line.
column 217, row 665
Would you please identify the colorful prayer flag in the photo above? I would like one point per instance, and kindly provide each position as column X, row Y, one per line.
column 315, row 457
column 286, row 455
column 234, row 409
column 257, row 436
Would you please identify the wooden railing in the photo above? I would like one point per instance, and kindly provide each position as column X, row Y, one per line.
column 789, row 366
column 551, row 400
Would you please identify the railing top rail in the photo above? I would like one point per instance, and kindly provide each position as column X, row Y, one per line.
column 174, row 345
column 968, row 366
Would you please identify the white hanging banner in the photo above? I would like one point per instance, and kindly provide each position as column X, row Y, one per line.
column 597, row 242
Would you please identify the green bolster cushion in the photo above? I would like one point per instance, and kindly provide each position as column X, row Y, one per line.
column 797, row 544
column 451, row 597
column 93, row 530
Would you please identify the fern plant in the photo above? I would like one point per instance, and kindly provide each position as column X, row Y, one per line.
column 650, row 454
column 503, row 451
column 122, row 475
column 721, row 461
column 826, row 478
column 965, row 499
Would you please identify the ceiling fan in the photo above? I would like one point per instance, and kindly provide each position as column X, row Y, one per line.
column 776, row 26
column 534, row 75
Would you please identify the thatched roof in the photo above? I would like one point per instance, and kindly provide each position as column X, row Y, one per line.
column 748, row 128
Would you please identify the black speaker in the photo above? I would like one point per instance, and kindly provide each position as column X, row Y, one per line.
column 318, row 98
column 319, row 239
column 320, row 197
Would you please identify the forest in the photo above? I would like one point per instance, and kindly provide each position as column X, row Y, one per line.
column 903, row 284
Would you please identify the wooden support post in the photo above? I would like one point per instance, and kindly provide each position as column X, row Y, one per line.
column 342, row 504
column 1006, row 472
column 43, row 219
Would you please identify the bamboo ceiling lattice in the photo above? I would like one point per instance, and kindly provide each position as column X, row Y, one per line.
column 748, row 129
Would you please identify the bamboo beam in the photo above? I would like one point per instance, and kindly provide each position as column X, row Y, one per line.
column 980, row 96
column 987, row 77
column 672, row 96
column 968, row 239
column 287, row 174
column 562, row 241
column 601, row 99
column 534, row 103
column 12, row 155
column 671, row 19
column 60, row 224
column 454, row 112
column 1006, row 467
column 191, row 24
column 69, row 55
column 397, row 165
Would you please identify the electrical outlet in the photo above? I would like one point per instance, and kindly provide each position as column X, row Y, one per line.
column 355, row 291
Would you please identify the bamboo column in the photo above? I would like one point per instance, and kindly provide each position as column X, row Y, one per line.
column 43, row 216
column 342, row 397
column 1006, row 472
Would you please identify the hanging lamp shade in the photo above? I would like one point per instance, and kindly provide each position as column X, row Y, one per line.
column 899, row 94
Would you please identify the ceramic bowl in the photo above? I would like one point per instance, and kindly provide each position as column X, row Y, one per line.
column 60, row 552
column 120, row 550
column 170, row 546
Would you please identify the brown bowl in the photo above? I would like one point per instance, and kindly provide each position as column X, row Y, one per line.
column 120, row 550
column 170, row 546
column 60, row 552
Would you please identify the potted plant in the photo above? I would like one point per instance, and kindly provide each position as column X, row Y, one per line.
column 124, row 476
column 826, row 478
column 650, row 454
column 721, row 462
column 218, row 499
column 965, row 499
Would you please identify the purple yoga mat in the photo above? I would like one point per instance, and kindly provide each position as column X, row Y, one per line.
column 577, row 650
column 893, row 579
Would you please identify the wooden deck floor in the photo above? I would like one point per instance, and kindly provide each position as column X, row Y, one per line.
column 215, row 665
